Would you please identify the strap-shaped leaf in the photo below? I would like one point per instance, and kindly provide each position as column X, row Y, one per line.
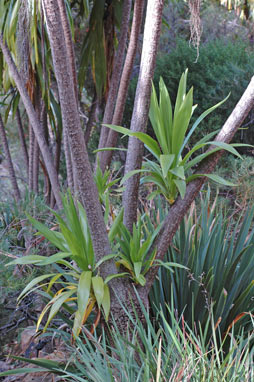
column 106, row 301
column 178, row 171
column 181, row 186
column 150, row 143
column 165, row 162
column 54, row 237
column 198, row 121
column 98, row 288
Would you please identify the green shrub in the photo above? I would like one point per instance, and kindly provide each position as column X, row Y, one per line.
column 170, row 353
column 220, row 277
column 221, row 68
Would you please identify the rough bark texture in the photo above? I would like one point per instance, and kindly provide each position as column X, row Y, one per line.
column 91, row 118
column 141, row 107
column 116, row 75
column 124, row 83
column 31, row 159
column 7, row 153
column 71, row 176
column 68, row 161
column 36, row 167
column 69, row 44
column 22, row 138
column 181, row 206
column 35, row 123
column 70, row 117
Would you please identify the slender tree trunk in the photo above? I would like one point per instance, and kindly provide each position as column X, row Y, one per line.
column 57, row 161
column 7, row 153
column 68, row 161
column 36, row 153
column 69, row 44
column 91, row 118
column 116, row 75
column 36, row 167
column 35, row 123
column 106, row 156
column 141, row 107
column 71, row 121
column 22, row 138
column 31, row 158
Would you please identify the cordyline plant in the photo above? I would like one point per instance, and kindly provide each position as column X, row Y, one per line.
column 170, row 171
column 58, row 31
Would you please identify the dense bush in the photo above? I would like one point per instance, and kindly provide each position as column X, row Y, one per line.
column 220, row 263
column 221, row 68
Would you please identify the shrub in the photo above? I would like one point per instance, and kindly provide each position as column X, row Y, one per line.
column 221, row 68
column 220, row 276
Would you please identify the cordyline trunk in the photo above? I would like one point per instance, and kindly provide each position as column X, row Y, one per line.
column 31, row 158
column 106, row 156
column 141, row 108
column 116, row 75
column 22, row 138
column 34, row 121
column 91, row 118
column 71, row 122
column 7, row 153
column 72, row 182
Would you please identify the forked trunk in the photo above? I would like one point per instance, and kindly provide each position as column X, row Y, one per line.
column 106, row 156
column 116, row 75
column 141, row 108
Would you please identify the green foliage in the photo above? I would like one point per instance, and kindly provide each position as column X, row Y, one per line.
column 80, row 284
column 222, row 68
column 241, row 173
column 220, row 276
column 134, row 251
column 144, row 353
column 171, row 171
column 104, row 182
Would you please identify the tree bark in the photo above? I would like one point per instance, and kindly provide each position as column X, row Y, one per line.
column 91, row 118
column 68, row 161
column 116, row 75
column 71, row 122
column 11, row 170
column 31, row 158
column 106, row 156
column 69, row 44
column 141, row 108
column 35, row 123
column 22, row 138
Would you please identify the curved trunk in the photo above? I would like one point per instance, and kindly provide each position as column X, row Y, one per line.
column 11, row 170
column 35, row 123
column 114, row 81
column 141, row 108
column 124, row 83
